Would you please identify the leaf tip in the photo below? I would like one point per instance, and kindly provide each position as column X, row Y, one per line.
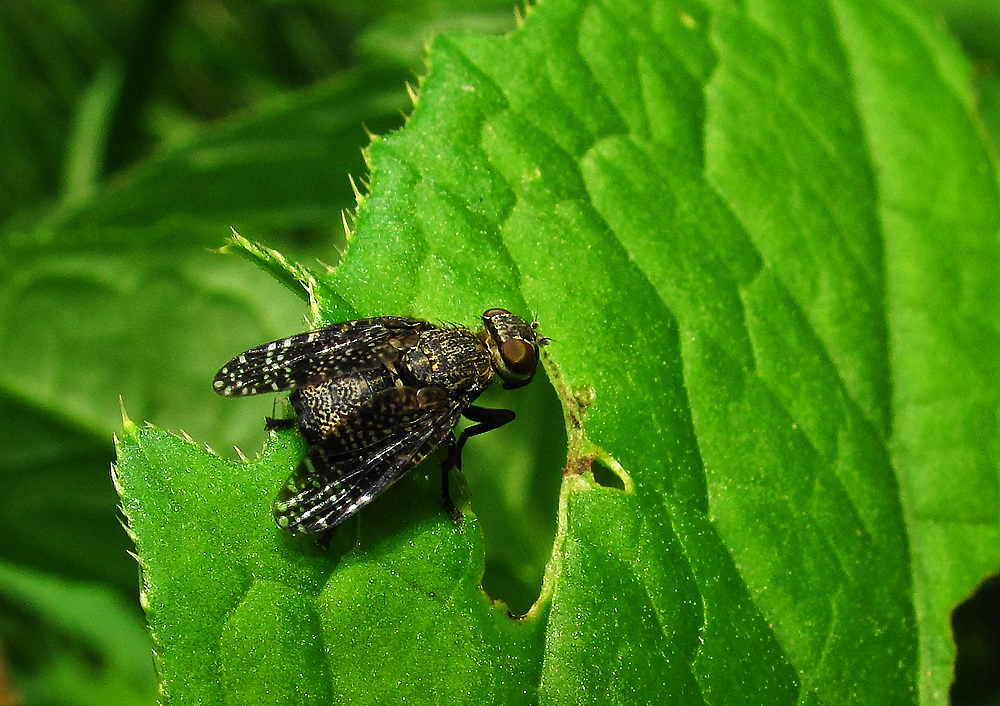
column 412, row 91
column 358, row 196
column 127, row 424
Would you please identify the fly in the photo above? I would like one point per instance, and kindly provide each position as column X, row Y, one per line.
column 374, row 397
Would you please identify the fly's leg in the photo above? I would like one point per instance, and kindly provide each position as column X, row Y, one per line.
column 323, row 541
column 486, row 420
column 449, row 504
column 272, row 423
column 275, row 423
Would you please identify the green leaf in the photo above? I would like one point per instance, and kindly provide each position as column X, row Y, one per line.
column 121, row 290
column 285, row 165
column 763, row 244
column 108, row 656
column 58, row 512
column 109, row 287
column 271, row 604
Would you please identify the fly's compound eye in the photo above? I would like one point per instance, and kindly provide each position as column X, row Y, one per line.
column 519, row 356
column 513, row 345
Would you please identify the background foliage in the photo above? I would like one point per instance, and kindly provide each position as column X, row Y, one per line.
column 132, row 140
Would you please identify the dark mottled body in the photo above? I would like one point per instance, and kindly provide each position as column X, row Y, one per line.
column 374, row 397
column 326, row 406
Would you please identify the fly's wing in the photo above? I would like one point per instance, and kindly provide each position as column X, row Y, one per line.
column 376, row 445
column 313, row 357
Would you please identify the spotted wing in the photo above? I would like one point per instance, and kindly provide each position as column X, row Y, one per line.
column 313, row 357
column 376, row 445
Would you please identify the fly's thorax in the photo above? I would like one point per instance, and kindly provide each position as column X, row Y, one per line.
column 454, row 359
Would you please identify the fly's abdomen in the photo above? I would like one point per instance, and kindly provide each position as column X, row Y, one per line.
column 322, row 408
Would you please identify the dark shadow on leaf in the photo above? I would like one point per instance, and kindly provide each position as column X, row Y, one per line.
column 976, row 625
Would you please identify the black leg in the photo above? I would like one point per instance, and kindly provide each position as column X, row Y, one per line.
column 272, row 423
column 324, row 539
column 486, row 420
column 449, row 505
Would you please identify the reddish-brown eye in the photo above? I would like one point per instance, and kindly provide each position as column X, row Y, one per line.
column 518, row 355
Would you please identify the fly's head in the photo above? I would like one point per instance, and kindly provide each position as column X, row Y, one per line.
column 513, row 345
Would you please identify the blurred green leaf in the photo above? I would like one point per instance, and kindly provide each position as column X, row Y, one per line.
column 730, row 223
column 284, row 166
column 58, row 513
column 989, row 96
column 109, row 654
column 120, row 290
column 975, row 23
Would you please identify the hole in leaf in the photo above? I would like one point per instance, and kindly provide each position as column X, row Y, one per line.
column 976, row 625
column 514, row 474
column 605, row 477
